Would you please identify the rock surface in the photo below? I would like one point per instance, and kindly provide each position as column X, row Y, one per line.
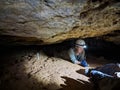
column 51, row 21
column 28, row 69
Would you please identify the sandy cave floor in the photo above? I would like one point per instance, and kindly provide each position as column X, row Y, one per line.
column 36, row 71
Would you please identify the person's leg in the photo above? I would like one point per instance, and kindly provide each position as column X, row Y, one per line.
column 99, row 74
column 84, row 63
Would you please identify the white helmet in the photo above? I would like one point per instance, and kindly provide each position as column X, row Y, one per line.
column 80, row 43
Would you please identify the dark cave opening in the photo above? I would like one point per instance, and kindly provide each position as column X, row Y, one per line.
column 103, row 48
column 95, row 47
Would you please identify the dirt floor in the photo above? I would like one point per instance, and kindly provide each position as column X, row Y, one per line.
column 33, row 70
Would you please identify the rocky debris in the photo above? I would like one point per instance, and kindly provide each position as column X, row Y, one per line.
column 31, row 22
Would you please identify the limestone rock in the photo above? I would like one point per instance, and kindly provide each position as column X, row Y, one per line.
column 50, row 21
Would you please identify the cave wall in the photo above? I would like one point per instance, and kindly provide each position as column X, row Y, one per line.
column 49, row 21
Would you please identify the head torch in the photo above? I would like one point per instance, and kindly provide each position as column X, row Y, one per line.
column 83, row 46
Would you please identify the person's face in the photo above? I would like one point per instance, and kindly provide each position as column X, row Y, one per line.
column 79, row 49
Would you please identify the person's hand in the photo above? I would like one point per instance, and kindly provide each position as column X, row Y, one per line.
column 117, row 74
column 77, row 62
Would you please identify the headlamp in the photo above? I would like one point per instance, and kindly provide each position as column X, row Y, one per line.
column 83, row 46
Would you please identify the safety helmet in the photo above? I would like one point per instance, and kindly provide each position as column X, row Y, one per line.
column 80, row 43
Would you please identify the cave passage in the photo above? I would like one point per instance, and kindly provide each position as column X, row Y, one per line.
column 37, row 67
column 35, row 36
column 95, row 47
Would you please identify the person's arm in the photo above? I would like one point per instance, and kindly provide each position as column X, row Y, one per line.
column 72, row 57
column 83, row 57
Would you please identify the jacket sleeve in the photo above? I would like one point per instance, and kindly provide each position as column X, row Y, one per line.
column 72, row 55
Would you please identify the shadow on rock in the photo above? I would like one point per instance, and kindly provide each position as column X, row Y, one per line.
column 72, row 84
column 81, row 71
